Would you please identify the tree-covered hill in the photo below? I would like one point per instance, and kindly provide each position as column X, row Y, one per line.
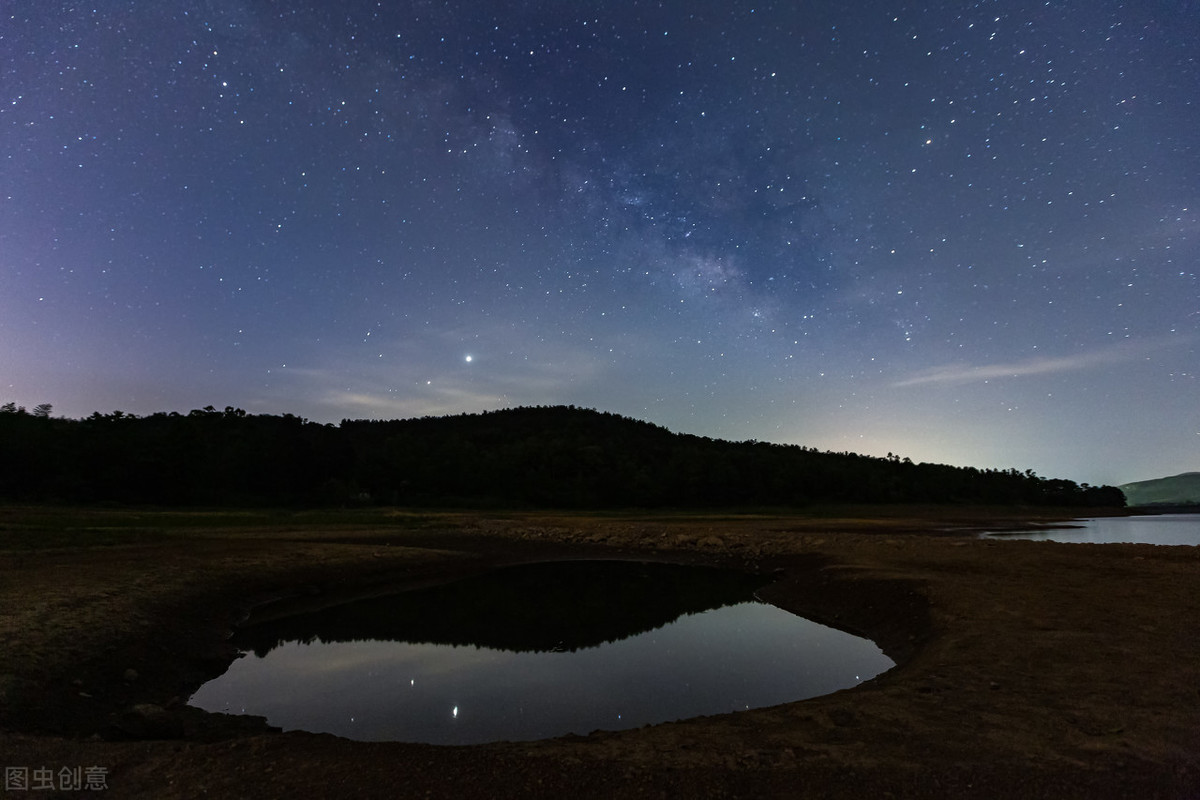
column 1177, row 490
column 558, row 456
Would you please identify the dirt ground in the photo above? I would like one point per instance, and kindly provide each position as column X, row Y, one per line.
column 1024, row 669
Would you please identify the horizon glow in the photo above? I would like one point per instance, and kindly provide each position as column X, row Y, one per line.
column 962, row 235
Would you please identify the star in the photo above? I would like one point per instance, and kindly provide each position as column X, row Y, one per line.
column 756, row 182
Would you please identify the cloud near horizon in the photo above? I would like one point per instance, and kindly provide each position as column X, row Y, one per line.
column 968, row 373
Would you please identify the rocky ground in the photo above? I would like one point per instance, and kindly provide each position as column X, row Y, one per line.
column 1025, row 669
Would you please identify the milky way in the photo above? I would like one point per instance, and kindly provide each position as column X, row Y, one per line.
column 960, row 232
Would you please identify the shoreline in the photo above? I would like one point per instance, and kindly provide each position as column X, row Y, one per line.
column 1023, row 668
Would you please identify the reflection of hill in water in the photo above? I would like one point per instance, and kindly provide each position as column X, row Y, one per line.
column 532, row 607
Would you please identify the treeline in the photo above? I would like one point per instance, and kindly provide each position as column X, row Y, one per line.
column 558, row 456
column 527, row 608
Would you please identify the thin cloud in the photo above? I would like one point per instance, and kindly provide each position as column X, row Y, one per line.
column 431, row 376
column 443, row 401
column 968, row 373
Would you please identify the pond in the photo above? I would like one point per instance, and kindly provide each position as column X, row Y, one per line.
column 536, row 651
column 1171, row 529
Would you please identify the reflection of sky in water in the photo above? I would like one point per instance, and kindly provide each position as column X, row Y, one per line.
column 1168, row 529
column 742, row 656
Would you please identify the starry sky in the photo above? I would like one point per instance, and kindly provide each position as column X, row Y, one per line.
column 962, row 232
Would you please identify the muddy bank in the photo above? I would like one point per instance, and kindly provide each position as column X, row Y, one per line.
column 1025, row 669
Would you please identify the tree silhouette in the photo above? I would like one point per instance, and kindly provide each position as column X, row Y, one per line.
column 554, row 456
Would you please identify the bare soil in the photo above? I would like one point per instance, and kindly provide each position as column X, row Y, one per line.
column 1025, row 669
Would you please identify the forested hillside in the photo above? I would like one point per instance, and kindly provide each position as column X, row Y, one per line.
column 525, row 457
column 1174, row 490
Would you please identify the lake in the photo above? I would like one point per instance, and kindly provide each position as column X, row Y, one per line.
column 1168, row 529
column 536, row 651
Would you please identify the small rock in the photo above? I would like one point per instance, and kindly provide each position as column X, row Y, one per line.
column 130, row 675
column 843, row 718
column 12, row 687
column 149, row 721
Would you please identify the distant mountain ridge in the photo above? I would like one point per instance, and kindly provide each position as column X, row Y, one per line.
column 1181, row 489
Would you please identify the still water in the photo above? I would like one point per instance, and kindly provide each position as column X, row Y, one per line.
column 537, row 651
column 1174, row 529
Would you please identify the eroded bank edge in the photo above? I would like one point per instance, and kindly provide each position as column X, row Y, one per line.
column 189, row 640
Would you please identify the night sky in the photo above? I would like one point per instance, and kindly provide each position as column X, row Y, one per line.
column 960, row 232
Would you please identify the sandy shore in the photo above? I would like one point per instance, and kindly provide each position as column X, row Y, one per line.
column 1025, row 669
